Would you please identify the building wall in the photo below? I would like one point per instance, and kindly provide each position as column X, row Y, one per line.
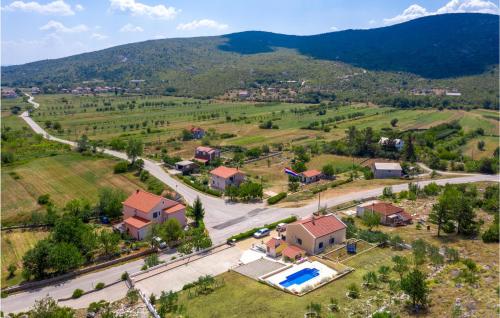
column 179, row 215
column 338, row 236
column 220, row 183
column 295, row 232
column 386, row 174
column 138, row 234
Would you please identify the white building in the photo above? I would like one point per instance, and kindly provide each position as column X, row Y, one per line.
column 386, row 170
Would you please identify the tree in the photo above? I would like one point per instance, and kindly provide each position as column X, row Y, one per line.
column 480, row 145
column 168, row 303
column 79, row 208
column 394, row 122
column 439, row 216
column 465, row 217
column 434, row 256
column 64, row 257
column 419, row 249
column 328, row 170
column 197, row 212
column 299, row 166
column 371, row 219
column 199, row 239
column 293, row 184
column 82, row 144
column 110, row 202
column 47, row 308
column 232, row 192
column 170, row 231
column 134, row 149
column 415, row 286
column 108, row 241
column 400, row 265
column 12, row 270
column 35, row 260
column 409, row 153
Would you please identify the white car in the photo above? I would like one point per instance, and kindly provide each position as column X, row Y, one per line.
column 281, row 227
column 261, row 233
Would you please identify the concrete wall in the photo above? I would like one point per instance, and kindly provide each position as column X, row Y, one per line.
column 386, row 174
column 179, row 215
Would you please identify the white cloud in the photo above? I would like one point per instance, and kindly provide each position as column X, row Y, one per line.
column 372, row 22
column 131, row 28
column 334, row 28
column 98, row 36
column 158, row 11
column 454, row 6
column 203, row 24
column 79, row 7
column 159, row 36
column 58, row 7
column 58, row 27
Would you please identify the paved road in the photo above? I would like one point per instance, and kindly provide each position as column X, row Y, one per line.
column 221, row 218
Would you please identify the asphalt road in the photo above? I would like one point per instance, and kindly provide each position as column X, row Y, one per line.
column 223, row 219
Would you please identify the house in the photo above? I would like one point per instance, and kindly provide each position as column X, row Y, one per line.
column 197, row 132
column 310, row 176
column 35, row 90
column 142, row 209
column 397, row 143
column 8, row 93
column 385, row 170
column 204, row 154
column 390, row 215
column 316, row 233
column 275, row 247
column 222, row 177
column 293, row 253
column 186, row 167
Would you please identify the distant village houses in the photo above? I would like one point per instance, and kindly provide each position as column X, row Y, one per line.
column 390, row 215
column 205, row 155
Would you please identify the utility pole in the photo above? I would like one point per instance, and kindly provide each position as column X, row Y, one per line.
column 319, row 201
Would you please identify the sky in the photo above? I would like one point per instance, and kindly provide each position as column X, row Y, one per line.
column 45, row 29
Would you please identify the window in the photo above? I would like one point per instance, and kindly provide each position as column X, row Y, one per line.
column 320, row 245
column 332, row 240
column 299, row 241
column 156, row 214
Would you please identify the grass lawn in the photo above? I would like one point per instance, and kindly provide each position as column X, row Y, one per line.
column 14, row 245
column 471, row 150
column 64, row 177
column 244, row 297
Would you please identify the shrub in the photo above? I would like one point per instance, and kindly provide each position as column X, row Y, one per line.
column 144, row 175
column 125, row 276
column 275, row 199
column 373, row 236
column 133, row 295
column 99, row 286
column 271, row 226
column 353, row 291
column 77, row 293
column 432, row 189
column 43, row 199
column 121, row 167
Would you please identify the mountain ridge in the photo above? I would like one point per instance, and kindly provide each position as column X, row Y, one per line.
column 434, row 47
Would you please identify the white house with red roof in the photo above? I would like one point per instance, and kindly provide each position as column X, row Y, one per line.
column 316, row 233
column 142, row 209
column 205, row 154
column 222, row 177
column 310, row 176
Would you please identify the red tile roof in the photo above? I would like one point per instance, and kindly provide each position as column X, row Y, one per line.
column 175, row 208
column 405, row 216
column 383, row 208
column 225, row 172
column 145, row 201
column 136, row 222
column 205, row 149
column 273, row 242
column 322, row 225
column 293, row 251
column 311, row 173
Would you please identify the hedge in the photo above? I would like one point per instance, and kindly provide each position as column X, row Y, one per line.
column 200, row 187
column 337, row 183
column 271, row 226
column 277, row 198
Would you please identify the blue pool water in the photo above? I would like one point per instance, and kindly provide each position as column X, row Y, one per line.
column 300, row 277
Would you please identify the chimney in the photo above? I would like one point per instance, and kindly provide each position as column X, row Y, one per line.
column 137, row 191
column 313, row 219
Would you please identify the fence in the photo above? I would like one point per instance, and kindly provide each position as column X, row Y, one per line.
column 49, row 281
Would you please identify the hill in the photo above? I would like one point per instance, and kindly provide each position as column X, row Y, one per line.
column 435, row 47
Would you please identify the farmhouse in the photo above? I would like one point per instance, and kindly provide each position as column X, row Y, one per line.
column 186, row 166
column 206, row 154
column 316, row 233
column 142, row 209
column 222, row 177
column 385, row 170
column 197, row 132
column 310, row 176
column 390, row 215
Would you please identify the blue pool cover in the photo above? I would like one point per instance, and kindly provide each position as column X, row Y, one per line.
column 300, row 277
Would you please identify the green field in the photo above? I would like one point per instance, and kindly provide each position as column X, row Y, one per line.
column 64, row 177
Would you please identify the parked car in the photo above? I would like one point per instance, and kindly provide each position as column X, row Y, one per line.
column 159, row 243
column 262, row 232
column 281, row 227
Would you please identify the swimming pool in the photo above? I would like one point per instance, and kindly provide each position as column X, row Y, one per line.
column 300, row 277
